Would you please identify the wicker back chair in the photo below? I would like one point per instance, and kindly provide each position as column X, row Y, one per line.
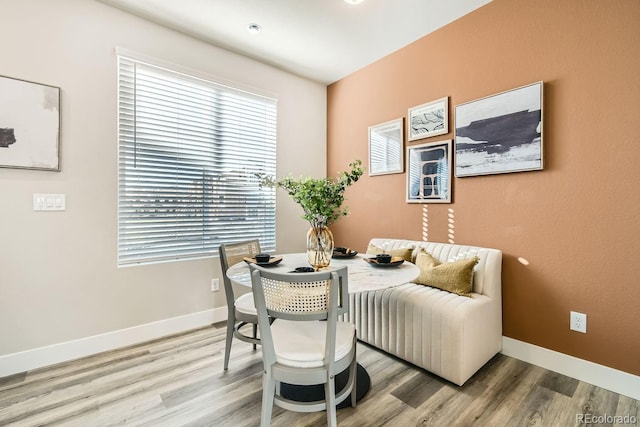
column 303, row 343
column 241, row 311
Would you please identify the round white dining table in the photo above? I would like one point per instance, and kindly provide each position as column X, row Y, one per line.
column 363, row 276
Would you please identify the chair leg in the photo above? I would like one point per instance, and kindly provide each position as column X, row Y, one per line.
column 227, row 347
column 268, row 392
column 255, row 333
column 330, row 399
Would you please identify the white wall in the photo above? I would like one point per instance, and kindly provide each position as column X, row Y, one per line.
column 58, row 276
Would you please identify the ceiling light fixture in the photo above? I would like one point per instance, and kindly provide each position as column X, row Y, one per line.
column 353, row 1
column 254, row 28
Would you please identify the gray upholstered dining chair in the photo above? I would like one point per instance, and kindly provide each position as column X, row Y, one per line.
column 241, row 311
column 303, row 342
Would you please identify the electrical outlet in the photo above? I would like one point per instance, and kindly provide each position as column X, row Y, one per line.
column 215, row 285
column 578, row 322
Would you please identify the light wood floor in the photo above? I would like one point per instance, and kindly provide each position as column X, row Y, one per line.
column 179, row 381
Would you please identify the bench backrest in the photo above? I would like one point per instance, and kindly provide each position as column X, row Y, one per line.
column 487, row 274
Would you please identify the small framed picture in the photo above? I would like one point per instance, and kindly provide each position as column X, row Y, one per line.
column 386, row 148
column 429, row 173
column 430, row 119
column 500, row 133
column 29, row 125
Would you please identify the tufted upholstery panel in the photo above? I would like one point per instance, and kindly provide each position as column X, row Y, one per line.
column 449, row 335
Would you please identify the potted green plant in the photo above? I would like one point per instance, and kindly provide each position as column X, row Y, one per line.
column 321, row 200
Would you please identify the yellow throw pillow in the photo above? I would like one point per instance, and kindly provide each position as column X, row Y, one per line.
column 456, row 276
column 402, row 252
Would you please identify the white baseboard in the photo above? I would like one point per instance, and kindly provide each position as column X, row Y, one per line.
column 602, row 376
column 44, row 356
column 583, row 370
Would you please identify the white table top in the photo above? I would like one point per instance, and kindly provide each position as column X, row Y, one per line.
column 362, row 275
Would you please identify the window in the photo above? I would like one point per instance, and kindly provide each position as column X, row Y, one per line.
column 189, row 151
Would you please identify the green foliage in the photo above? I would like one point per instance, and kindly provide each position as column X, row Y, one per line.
column 320, row 199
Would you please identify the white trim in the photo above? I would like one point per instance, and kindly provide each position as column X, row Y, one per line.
column 44, row 356
column 602, row 376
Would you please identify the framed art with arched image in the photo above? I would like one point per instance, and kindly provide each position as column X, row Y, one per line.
column 429, row 172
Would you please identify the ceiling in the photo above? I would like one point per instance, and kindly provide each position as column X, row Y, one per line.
column 322, row 40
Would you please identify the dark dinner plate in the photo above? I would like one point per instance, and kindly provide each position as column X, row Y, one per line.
column 395, row 261
column 272, row 261
column 344, row 255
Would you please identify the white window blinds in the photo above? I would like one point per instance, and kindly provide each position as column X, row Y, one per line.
column 189, row 150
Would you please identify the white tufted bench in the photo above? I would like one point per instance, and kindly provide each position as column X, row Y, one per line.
column 449, row 335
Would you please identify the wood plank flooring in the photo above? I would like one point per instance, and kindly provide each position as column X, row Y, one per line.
column 179, row 381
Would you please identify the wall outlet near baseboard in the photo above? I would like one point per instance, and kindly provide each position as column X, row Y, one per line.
column 215, row 285
column 578, row 322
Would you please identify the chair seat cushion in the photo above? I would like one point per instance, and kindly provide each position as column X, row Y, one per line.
column 245, row 304
column 301, row 344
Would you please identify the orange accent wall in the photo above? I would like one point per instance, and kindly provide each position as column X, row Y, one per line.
column 570, row 234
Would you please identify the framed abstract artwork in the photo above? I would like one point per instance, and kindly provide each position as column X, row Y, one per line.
column 430, row 119
column 501, row 133
column 386, row 148
column 29, row 125
column 429, row 173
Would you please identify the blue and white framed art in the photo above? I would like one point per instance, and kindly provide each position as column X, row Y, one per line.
column 429, row 172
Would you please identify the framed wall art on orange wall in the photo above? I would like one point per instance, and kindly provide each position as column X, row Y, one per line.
column 500, row 133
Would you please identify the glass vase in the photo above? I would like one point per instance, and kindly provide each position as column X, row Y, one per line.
column 319, row 247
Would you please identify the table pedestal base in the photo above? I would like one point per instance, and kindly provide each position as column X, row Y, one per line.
column 310, row 393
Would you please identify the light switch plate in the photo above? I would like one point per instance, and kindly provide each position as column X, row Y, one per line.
column 49, row 202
